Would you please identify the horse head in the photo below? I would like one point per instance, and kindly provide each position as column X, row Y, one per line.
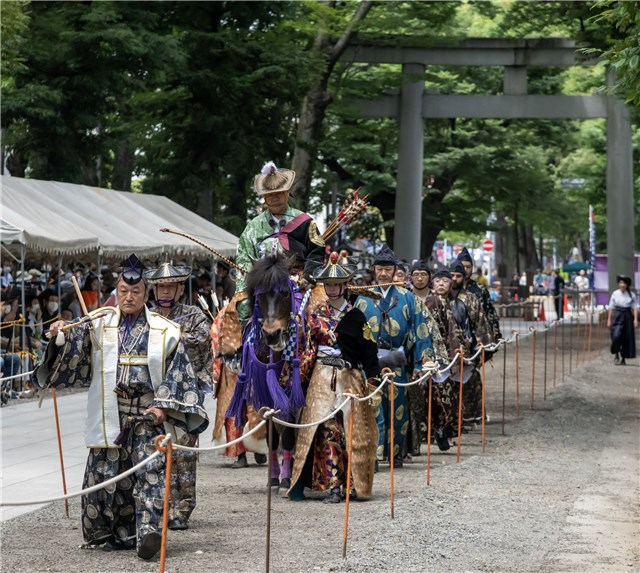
column 269, row 292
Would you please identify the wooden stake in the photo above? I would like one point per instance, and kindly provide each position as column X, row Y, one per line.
column 392, row 448
column 460, row 405
column 64, row 478
column 429, row 398
column 517, row 375
column 533, row 372
column 168, row 450
column 350, row 454
column 482, row 410
column 504, row 385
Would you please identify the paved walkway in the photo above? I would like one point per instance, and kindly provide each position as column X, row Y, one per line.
column 29, row 454
column 30, row 458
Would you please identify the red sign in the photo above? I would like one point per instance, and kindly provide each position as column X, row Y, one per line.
column 487, row 246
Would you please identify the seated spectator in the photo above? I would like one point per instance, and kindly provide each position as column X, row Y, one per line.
column 49, row 304
column 6, row 279
column 10, row 333
column 90, row 292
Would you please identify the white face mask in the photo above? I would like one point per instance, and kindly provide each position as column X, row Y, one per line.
column 35, row 308
column 6, row 269
column 52, row 307
column 7, row 308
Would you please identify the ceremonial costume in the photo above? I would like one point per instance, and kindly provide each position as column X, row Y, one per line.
column 293, row 232
column 132, row 363
column 196, row 338
column 469, row 313
column 399, row 323
column 444, row 390
column 345, row 348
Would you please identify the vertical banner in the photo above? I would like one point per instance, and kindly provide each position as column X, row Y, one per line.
column 592, row 248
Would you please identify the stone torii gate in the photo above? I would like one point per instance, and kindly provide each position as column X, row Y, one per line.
column 412, row 105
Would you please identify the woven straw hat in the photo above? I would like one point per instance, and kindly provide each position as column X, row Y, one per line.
column 334, row 270
column 167, row 273
column 273, row 180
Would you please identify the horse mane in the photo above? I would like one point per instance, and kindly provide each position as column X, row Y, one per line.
column 267, row 275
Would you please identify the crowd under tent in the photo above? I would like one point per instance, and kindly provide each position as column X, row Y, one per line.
column 54, row 221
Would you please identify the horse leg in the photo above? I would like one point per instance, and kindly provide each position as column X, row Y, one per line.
column 288, row 443
column 275, row 464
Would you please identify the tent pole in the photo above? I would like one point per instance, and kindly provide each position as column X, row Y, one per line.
column 23, row 304
column 98, row 265
column 59, row 281
column 190, row 281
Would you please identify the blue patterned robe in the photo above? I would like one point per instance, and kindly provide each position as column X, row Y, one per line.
column 399, row 320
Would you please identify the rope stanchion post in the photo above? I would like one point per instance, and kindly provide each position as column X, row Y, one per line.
column 590, row 330
column 570, row 348
column 546, row 338
column 348, row 494
column 517, row 375
column 460, row 406
column 586, row 342
column 482, row 413
column 504, row 384
column 533, row 372
column 555, row 352
column 563, row 347
column 168, row 451
column 429, row 402
column 392, row 443
column 269, row 466
column 578, row 332
column 64, row 477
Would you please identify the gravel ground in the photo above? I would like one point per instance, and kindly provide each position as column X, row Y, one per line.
column 558, row 492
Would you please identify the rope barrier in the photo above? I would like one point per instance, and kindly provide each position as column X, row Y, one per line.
column 7, row 378
column 91, row 489
column 428, row 369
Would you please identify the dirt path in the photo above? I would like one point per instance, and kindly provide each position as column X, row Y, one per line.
column 559, row 492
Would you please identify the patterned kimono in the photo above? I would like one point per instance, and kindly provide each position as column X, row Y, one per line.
column 489, row 310
column 397, row 321
column 345, row 347
column 291, row 233
column 445, row 395
column 482, row 331
column 135, row 503
column 196, row 339
column 416, row 394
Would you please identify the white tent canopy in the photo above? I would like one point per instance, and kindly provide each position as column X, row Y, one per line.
column 64, row 218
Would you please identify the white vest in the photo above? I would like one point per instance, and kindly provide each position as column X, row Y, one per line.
column 103, row 420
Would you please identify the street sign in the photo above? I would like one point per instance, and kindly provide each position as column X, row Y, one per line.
column 487, row 246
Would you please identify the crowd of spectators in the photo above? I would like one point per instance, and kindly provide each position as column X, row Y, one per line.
column 49, row 296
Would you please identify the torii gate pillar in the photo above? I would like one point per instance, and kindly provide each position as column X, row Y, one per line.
column 408, row 220
column 620, row 211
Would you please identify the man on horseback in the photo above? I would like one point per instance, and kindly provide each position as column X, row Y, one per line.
column 168, row 283
column 279, row 228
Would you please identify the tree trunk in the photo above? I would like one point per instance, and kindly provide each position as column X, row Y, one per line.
column 315, row 103
column 123, row 165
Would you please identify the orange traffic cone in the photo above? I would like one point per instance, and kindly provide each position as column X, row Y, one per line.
column 541, row 315
column 566, row 303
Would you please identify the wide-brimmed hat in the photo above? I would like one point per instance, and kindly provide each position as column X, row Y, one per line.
column 334, row 270
column 167, row 273
column 625, row 279
column 273, row 180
